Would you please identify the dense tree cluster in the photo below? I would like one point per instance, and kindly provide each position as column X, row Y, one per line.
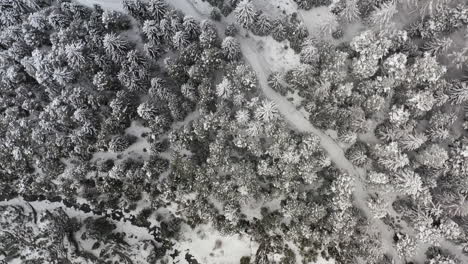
column 153, row 106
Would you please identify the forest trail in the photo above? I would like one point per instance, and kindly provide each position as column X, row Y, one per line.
column 287, row 109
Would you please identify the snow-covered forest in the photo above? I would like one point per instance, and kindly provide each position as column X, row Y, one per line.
column 234, row 131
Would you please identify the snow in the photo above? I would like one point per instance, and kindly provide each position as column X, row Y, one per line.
column 316, row 18
column 278, row 55
column 276, row 8
column 106, row 4
column 208, row 246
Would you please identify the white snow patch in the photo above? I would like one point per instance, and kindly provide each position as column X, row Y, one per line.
column 208, row 246
column 106, row 4
column 316, row 18
column 276, row 8
column 278, row 55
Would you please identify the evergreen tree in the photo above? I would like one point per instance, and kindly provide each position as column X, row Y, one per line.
column 231, row 48
column 116, row 46
column 263, row 25
column 180, row 40
column 245, row 13
column 157, row 9
column 191, row 27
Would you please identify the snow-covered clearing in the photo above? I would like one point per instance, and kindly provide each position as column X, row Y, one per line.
column 106, row 4
column 279, row 55
column 208, row 246
column 276, row 8
column 317, row 19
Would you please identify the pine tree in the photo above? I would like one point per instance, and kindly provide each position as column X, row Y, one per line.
column 166, row 29
column 409, row 182
column 180, row 40
column 458, row 93
column 115, row 21
column 151, row 30
column 224, row 89
column 63, row 75
column 136, row 9
column 189, row 91
column 276, row 81
column 39, row 21
column 116, row 46
column 157, row 9
column 279, row 31
column 243, row 116
column 433, row 156
column 382, row 16
column 438, row 46
column 102, row 81
column 209, row 36
column 310, row 53
column 120, row 143
column 74, row 53
column 351, row 12
column 267, row 111
column 148, row 110
column 153, row 51
column 412, row 142
column 231, row 48
column 263, row 25
column 245, row 13
column 191, row 27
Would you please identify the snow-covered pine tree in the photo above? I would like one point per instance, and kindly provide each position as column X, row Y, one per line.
column 276, row 81
column 309, row 52
column 209, row 36
column 157, row 9
column 74, row 53
column 153, row 51
column 438, row 45
column 279, row 31
column 433, row 156
column 231, row 48
column 350, row 12
column 267, row 111
column 115, row 46
column 224, row 89
column 458, row 93
column 383, row 15
column 263, row 25
column 63, row 75
column 412, row 142
column 245, row 13
column 180, row 40
column 166, row 29
column 191, row 27
column 151, row 30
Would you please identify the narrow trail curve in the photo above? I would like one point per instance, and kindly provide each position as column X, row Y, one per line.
column 287, row 110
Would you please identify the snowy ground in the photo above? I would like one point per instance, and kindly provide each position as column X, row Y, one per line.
column 207, row 245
